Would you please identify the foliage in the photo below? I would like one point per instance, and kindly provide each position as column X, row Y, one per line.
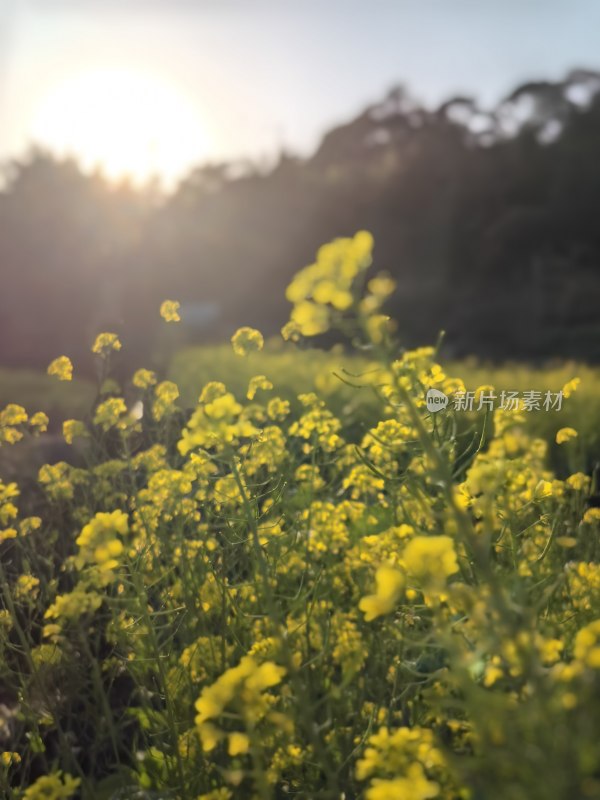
column 243, row 602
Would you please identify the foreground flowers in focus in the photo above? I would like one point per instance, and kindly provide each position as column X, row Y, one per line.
column 262, row 598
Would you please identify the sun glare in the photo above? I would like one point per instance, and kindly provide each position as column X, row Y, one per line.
column 127, row 124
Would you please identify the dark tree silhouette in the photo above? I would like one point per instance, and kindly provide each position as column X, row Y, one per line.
column 487, row 218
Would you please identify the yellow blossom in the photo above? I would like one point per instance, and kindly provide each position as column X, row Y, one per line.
column 169, row 311
column 389, row 586
column 414, row 786
column 430, row 559
column 61, row 368
column 7, row 533
column 239, row 743
column 144, row 378
column 256, row 383
column 112, row 413
column 39, row 421
column 246, row 341
column 72, row 428
column 565, row 435
column 578, row 481
column 9, row 759
column 542, row 490
column 166, row 393
column 52, row 787
column 587, row 645
column 310, row 318
column 571, row 386
column 592, row 515
column 105, row 342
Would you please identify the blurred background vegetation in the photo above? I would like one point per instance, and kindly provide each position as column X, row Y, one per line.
column 487, row 220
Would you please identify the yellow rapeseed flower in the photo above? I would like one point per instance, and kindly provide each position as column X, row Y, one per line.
column 61, row 368
column 578, row 481
column 381, row 285
column 169, row 311
column 570, row 387
column 310, row 318
column 39, row 422
column 291, row 332
column 587, row 645
column 239, row 743
column 389, row 586
column 12, row 415
column 256, row 383
column 8, row 533
column 542, row 490
column 112, row 413
column 414, row 786
column 592, row 515
column 105, row 342
column 144, row 378
column 430, row 559
column 72, row 428
column 52, row 787
column 166, row 394
column 9, row 758
column 565, row 435
column 247, row 340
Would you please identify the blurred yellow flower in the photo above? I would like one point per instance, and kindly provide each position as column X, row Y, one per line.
column 579, row 481
column 256, row 383
column 13, row 415
column 166, row 394
column 389, row 585
column 587, row 645
column 112, row 413
column 247, row 340
column 169, row 311
column 7, row 533
column 310, row 318
column 72, row 428
column 431, row 559
column 8, row 758
column 144, row 378
column 565, row 435
column 291, row 332
column 542, row 490
column 105, row 342
column 61, row 368
column 592, row 515
column 571, row 387
column 239, row 743
column 52, row 787
column 39, row 421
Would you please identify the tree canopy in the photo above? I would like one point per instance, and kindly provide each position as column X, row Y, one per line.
column 487, row 219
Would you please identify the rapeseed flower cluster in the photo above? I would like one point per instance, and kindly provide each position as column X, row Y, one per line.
column 262, row 597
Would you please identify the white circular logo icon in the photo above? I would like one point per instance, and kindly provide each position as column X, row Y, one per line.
column 436, row 400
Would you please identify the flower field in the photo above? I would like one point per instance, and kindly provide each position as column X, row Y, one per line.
column 335, row 594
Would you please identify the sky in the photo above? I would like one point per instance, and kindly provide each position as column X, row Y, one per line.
column 160, row 84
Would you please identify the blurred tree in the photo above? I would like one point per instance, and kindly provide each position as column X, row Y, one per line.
column 487, row 218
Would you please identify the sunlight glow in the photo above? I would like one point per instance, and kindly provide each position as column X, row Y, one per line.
column 125, row 123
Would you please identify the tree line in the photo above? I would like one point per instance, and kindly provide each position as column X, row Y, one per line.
column 487, row 219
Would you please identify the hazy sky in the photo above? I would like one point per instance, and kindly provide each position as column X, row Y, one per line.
column 251, row 75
